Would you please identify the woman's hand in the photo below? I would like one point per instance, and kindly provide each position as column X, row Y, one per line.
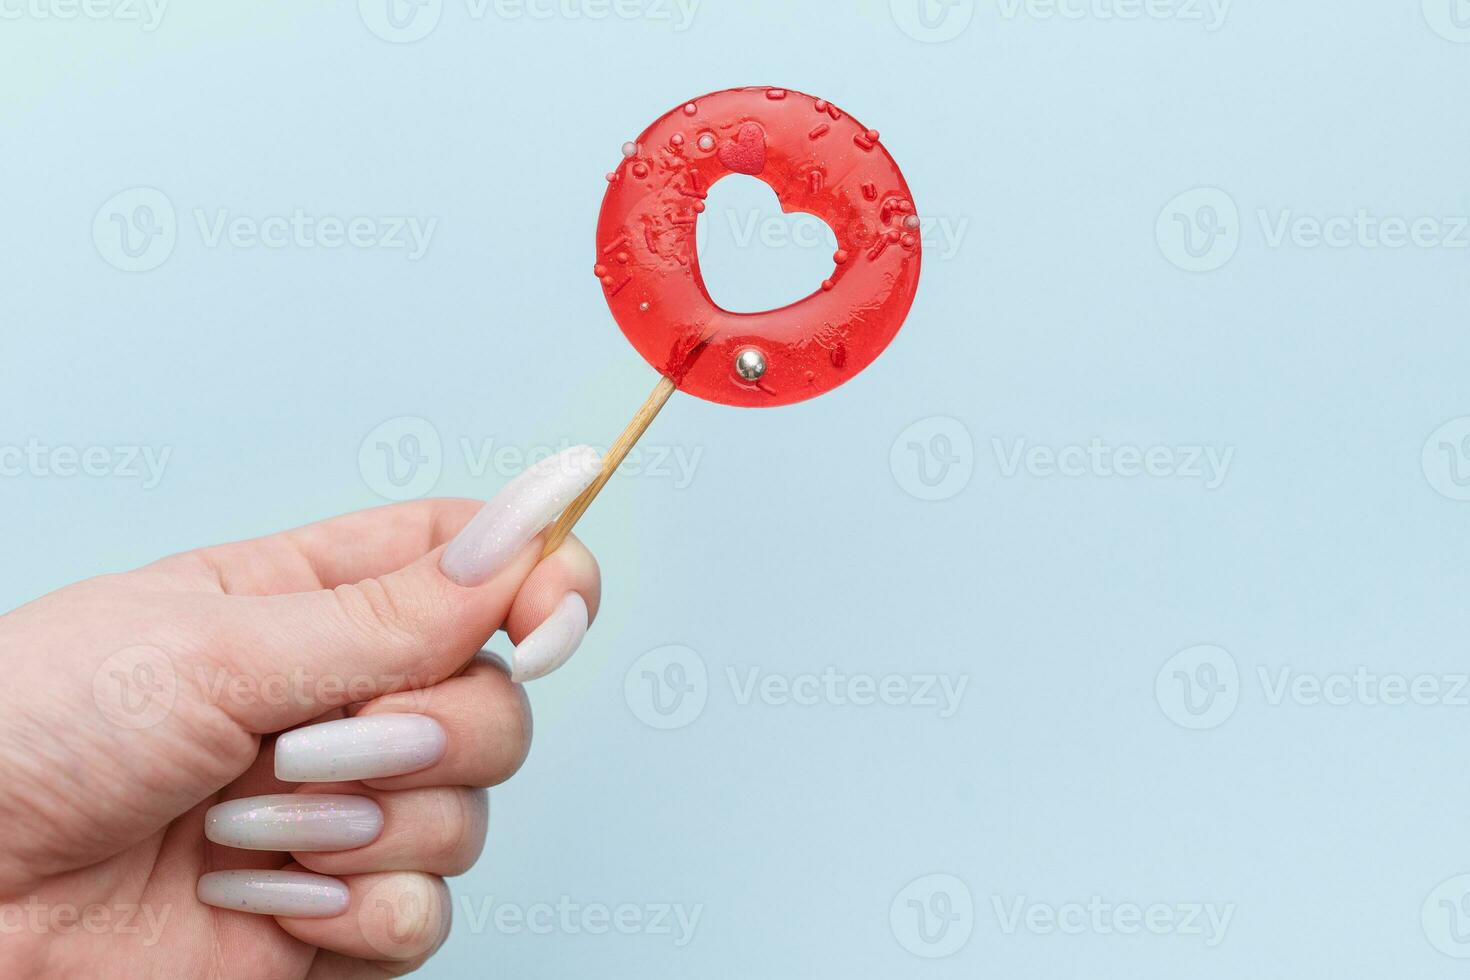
column 134, row 706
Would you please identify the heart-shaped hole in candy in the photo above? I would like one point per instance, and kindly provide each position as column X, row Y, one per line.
column 755, row 257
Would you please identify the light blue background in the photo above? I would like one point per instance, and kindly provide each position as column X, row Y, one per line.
column 1057, row 142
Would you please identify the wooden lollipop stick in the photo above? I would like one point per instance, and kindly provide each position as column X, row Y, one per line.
column 610, row 463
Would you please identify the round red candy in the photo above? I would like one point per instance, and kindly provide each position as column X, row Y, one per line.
column 818, row 160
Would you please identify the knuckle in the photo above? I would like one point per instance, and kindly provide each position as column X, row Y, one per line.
column 372, row 606
column 513, row 717
column 450, row 828
column 463, row 835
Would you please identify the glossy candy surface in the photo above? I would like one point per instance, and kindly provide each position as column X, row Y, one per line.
column 818, row 160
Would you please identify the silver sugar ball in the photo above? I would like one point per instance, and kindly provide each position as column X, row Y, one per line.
column 750, row 364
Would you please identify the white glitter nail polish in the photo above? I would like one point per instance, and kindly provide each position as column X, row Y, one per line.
column 552, row 643
column 290, row 893
column 519, row 512
column 365, row 747
column 295, row 822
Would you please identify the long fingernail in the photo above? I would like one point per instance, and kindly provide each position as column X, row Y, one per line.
column 294, row 893
column 295, row 822
column 517, row 514
column 551, row 644
column 365, row 747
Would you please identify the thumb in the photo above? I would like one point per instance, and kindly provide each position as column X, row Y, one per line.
column 286, row 659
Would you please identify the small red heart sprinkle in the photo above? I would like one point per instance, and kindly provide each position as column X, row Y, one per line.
column 746, row 153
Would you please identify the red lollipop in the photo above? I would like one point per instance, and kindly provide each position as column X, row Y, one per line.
column 818, row 160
